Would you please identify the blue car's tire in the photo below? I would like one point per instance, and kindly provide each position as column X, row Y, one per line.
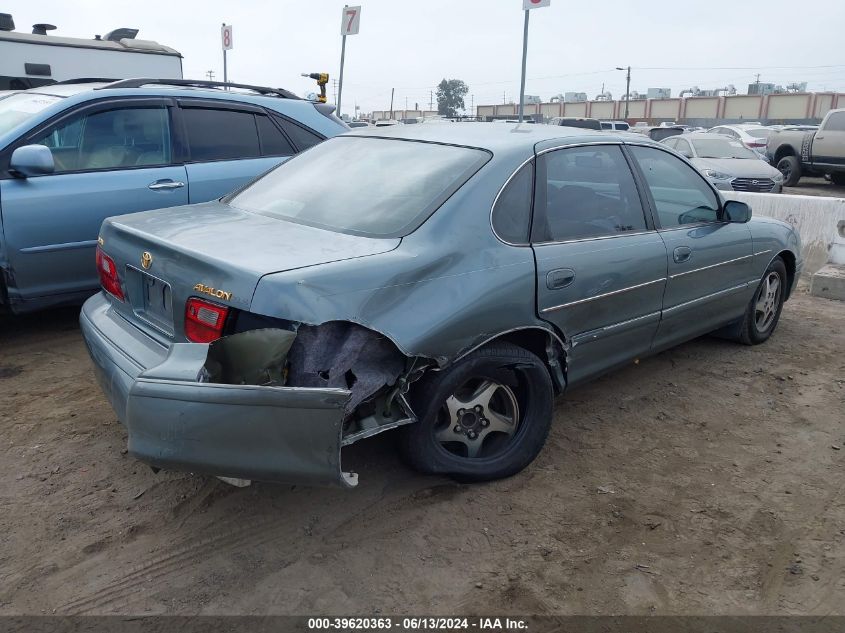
column 486, row 417
column 764, row 309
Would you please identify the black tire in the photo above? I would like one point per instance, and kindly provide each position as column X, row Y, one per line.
column 790, row 167
column 838, row 178
column 521, row 380
column 755, row 329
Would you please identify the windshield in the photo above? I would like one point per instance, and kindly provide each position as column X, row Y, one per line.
column 758, row 132
column 17, row 108
column 722, row 148
column 365, row 186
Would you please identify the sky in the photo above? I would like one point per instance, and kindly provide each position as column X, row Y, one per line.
column 574, row 45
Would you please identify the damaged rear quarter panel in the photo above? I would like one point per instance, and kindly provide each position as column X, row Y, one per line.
column 449, row 286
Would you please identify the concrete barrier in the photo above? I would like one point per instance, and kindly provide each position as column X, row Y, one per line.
column 829, row 282
column 817, row 219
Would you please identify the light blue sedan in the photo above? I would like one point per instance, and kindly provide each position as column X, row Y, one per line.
column 447, row 280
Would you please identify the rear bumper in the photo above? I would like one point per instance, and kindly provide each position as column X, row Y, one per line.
column 174, row 421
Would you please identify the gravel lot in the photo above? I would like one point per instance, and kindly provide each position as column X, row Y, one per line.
column 708, row 479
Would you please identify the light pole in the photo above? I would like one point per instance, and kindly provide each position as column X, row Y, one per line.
column 627, row 88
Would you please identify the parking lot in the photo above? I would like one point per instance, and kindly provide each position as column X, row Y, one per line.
column 707, row 479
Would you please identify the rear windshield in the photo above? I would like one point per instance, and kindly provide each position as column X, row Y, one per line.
column 17, row 108
column 375, row 187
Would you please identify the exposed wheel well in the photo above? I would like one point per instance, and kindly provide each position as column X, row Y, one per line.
column 789, row 261
column 784, row 150
column 546, row 347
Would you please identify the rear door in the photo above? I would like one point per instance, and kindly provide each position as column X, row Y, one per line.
column 111, row 158
column 601, row 266
column 710, row 261
column 228, row 144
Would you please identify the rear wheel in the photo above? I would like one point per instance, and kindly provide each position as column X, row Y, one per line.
column 791, row 170
column 763, row 312
column 486, row 417
column 838, row 178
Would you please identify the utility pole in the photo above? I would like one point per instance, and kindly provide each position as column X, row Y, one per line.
column 758, row 79
column 334, row 90
column 391, row 102
column 210, row 75
column 472, row 105
column 627, row 88
column 524, row 61
column 406, row 104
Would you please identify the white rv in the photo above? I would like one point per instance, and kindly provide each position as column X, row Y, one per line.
column 34, row 59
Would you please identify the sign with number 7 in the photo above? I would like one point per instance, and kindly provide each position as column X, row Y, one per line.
column 351, row 21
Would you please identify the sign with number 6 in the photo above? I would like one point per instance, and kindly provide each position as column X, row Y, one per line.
column 226, row 37
column 351, row 21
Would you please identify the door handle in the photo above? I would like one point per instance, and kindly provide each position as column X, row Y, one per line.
column 159, row 185
column 682, row 254
column 559, row 278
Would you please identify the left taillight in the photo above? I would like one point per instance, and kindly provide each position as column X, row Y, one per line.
column 204, row 321
column 108, row 275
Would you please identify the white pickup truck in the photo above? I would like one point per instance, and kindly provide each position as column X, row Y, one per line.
column 819, row 152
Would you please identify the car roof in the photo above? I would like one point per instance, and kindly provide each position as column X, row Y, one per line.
column 705, row 135
column 67, row 89
column 495, row 137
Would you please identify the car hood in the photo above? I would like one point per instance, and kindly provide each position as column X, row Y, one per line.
column 210, row 247
column 737, row 167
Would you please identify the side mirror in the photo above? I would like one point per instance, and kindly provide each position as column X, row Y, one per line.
column 32, row 160
column 736, row 211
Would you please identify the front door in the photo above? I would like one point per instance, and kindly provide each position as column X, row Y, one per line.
column 601, row 266
column 710, row 260
column 829, row 142
column 109, row 161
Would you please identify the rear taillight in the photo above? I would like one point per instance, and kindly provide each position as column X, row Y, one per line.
column 755, row 144
column 204, row 320
column 108, row 275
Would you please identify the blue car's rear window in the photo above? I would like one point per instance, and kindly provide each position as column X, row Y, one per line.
column 376, row 187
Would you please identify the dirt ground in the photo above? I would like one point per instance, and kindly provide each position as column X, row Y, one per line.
column 706, row 480
column 816, row 187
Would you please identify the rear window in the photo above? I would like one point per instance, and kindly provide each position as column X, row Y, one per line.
column 364, row 186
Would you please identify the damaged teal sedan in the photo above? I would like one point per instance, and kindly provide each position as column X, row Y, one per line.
column 445, row 281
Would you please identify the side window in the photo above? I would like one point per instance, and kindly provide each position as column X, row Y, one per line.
column 606, row 125
column 590, row 192
column 835, row 122
column 302, row 137
column 512, row 213
column 112, row 139
column 671, row 142
column 220, row 134
column 273, row 142
column 680, row 195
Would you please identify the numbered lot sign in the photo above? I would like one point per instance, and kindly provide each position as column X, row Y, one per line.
column 351, row 21
column 226, row 37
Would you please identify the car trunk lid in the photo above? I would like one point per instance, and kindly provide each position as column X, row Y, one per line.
column 215, row 252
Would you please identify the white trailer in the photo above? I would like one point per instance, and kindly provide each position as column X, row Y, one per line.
column 35, row 59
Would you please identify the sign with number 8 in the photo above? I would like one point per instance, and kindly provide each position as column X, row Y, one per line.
column 350, row 21
column 226, row 37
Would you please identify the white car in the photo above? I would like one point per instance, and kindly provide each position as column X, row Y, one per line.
column 752, row 135
column 726, row 163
